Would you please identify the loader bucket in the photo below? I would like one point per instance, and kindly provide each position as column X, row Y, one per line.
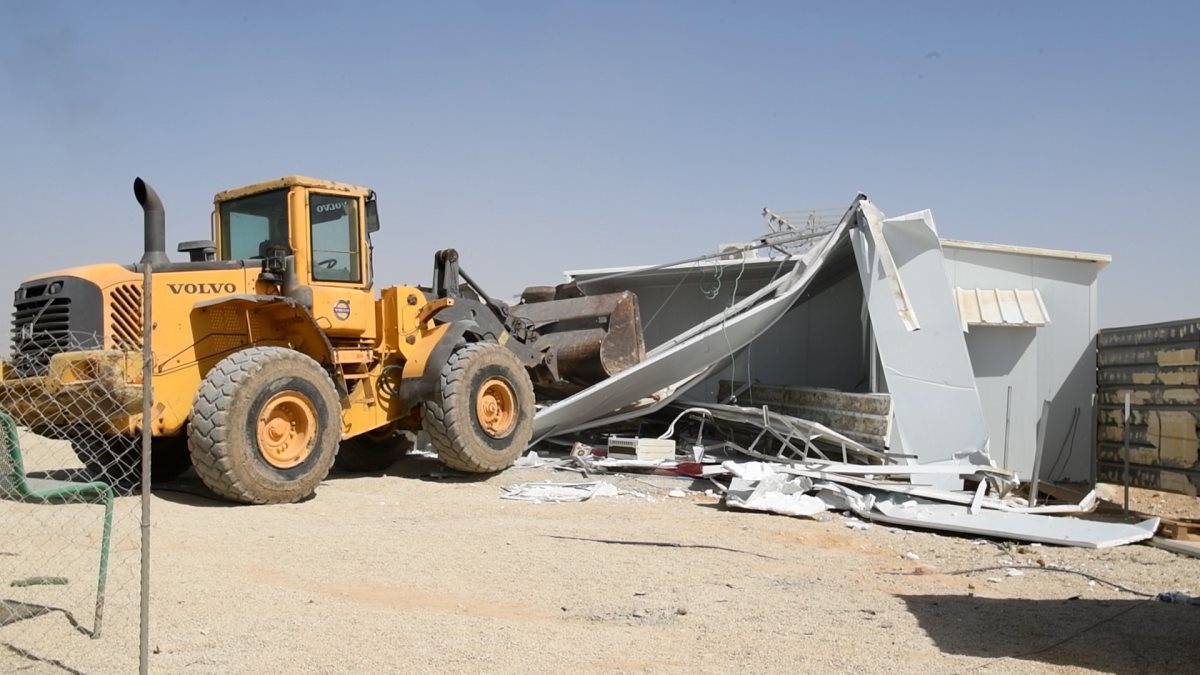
column 587, row 338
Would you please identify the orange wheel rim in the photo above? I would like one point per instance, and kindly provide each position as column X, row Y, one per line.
column 496, row 407
column 287, row 427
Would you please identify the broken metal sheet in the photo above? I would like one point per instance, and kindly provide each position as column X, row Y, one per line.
column 614, row 463
column 696, row 350
column 530, row 460
column 925, row 514
column 559, row 492
column 917, row 328
column 977, row 500
column 1063, row 531
column 751, row 471
column 1086, row 505
column 907, row 469
column 790, row 431
column 842, row 498
column 760, row 486
column 647, row 405
column 775, row 493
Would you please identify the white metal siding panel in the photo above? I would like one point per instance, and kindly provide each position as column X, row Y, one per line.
column 1009, row 308
column 1063, row 350
column 989, row 307
column 1032, row 308
column 968, row 306
column 1000, row 307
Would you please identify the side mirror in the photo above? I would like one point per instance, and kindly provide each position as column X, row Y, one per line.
column 372, row 214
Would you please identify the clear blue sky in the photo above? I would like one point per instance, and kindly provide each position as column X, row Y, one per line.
column 542, row 136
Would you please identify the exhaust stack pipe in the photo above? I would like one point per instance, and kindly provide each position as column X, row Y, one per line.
column 155, row 223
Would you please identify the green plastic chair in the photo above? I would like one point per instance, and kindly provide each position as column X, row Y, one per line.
column 16, row 486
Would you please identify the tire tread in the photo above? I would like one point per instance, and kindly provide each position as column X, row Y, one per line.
column 209, row 440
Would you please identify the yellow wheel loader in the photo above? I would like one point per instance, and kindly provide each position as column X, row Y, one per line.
column 274, row 358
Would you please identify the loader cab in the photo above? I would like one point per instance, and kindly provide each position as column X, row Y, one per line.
column 324, row 226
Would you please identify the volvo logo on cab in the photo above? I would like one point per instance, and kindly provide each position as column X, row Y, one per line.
column 326, row 208
column 202, row 289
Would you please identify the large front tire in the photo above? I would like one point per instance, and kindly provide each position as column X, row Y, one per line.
column 481, row 418
column 265, row 426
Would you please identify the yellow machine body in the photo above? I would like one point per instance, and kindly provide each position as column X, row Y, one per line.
column 203, row 311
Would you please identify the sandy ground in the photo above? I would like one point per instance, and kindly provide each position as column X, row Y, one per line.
column 413, row 571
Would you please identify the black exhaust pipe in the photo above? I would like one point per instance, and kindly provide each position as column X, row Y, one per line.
column 155, row 223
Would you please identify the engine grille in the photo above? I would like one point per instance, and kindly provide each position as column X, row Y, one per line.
column 52, row 316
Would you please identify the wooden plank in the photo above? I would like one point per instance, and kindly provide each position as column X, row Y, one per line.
column 1187, row 529
column 1176, row 546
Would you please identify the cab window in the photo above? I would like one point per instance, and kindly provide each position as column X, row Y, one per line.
column 335, row 251
column 251, row 224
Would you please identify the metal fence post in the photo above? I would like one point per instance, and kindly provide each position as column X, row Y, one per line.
column 1125, row 476
column 147, row 408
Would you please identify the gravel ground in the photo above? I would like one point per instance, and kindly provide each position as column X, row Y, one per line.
column 413, row 571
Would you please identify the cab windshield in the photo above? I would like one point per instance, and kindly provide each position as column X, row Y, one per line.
column 251, row 225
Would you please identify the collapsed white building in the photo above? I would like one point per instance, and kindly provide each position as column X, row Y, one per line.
column 976, row 346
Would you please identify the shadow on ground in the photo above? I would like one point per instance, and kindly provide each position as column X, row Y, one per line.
column 190, row 490
column 420, row 467
column 1112, row 636
column 12, row 611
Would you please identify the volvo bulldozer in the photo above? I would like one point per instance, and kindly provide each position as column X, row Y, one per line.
column 273, row 356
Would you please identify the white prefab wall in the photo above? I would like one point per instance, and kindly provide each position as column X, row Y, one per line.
column 821, row 342
column 1055, row 362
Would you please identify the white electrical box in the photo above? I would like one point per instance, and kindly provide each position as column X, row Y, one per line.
column 645, row 448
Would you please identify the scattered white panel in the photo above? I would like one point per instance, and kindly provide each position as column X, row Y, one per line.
column 1061, row 530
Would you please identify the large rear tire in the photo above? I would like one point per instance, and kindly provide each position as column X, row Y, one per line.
column 265, row 426
column 373, row 451
column 481, row 418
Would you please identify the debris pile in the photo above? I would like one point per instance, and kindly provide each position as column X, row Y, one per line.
column 789, row 468
column 876, row 451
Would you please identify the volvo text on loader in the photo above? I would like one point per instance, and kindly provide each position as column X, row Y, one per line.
column 273, row 357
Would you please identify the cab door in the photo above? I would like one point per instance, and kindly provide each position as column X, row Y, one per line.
column 334, row 234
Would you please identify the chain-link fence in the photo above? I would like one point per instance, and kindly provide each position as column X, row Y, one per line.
column 70, row 515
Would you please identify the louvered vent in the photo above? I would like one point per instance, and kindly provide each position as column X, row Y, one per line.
column 125, row 319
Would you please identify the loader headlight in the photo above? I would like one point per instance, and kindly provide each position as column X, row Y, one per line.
column 55, row 287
